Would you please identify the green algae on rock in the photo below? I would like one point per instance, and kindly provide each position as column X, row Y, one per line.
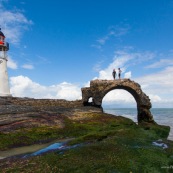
column 112, row 143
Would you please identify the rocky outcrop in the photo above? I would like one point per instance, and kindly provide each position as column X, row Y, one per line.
column 99, row 88
column 39, row 102
column 17, row 113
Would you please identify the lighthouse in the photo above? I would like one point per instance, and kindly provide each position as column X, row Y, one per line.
column 4, row 84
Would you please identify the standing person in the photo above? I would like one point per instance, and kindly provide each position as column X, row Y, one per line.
column 119, row 73
column 114, row 74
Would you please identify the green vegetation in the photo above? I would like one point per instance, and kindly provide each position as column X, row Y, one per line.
column 94, row 124
column 111, row 145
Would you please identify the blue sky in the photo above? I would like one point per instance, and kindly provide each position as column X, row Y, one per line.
column 58, row 46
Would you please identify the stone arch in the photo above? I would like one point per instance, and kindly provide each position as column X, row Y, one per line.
column 99, row 88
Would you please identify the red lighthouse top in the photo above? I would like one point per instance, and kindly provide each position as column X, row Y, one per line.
column 2, row 37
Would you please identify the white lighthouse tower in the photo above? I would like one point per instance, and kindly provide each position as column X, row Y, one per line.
column 4, row 85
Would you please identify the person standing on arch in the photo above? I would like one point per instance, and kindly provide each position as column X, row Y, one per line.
column 119, row 73
column 114, row 74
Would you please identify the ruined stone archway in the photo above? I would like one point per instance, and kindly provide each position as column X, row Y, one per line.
column 99, row 88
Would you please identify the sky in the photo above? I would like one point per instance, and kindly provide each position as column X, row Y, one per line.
column 59, row 46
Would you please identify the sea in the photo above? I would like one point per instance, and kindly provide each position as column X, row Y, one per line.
column 163, row 116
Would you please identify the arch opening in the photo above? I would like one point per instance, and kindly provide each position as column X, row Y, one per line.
column 121, row 103
column 90, row 100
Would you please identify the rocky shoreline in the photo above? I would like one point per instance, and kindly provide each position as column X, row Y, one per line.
column 16, row 113
column 25, row 114
column 120, row 141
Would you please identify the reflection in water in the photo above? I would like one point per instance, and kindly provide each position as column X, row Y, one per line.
column 56, row 146
column 51, row 147
column 31, row 149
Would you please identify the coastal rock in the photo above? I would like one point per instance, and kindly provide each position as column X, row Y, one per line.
column 26, row 121
column 17, row 113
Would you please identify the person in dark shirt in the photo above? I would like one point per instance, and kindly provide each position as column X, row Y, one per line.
column 114, row 74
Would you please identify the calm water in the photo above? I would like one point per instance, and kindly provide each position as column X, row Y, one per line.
column 162, row 116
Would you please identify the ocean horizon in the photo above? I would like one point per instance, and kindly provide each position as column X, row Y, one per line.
column 162, row 116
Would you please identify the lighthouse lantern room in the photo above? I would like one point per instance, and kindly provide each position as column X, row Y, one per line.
column 4, row 84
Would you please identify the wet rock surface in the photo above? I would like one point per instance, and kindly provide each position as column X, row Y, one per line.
column 17, row 113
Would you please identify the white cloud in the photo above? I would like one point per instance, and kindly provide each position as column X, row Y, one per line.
column 68, row 91
column 123, row 59
column 43, row 60
column 119, row 30
column 103, row 40
column 128, row 74
column 163, row 79
column 159, row 87
column 97, row 46
column 28, row 66
column 11, row 63
column 13, row 22
column 161, row 63
column 87, row 84
column 22, row 86
column 114, row 31
column 97, row 67
column 155, row 98
column 118, row 62
column 118, row 98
